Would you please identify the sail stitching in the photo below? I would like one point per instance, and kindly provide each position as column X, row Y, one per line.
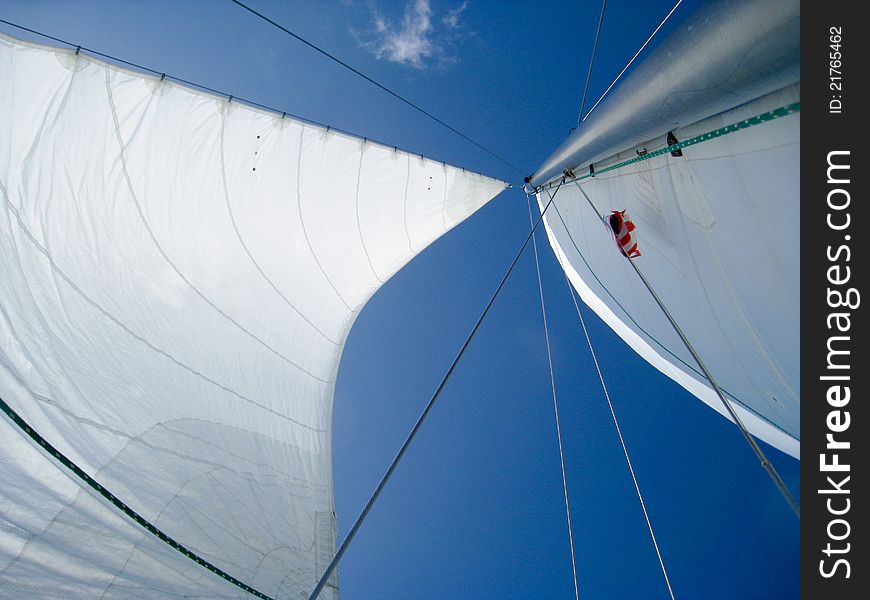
column 245, row 245
column 621, row 439
column 362, row 152
column 444, row 199
column 302, row 222
column 405, row 204
column 555, row 404
column 120, row 505
column 129, row 181
column 137, row 439
column 55, row 268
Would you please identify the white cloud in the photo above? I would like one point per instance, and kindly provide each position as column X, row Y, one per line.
column 416, row 40
column 451, row 19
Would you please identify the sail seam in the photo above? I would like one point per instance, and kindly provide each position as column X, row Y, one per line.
column 75, row 287
column 405, row 204
column 129, row 181
column 302, row 222
column 444, row 199
column 362, row 152
column 25, row 428
column 245, row 245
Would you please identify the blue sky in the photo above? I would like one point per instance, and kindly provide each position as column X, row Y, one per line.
column 476, row 509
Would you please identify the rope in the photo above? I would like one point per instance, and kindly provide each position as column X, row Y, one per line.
column 555, row 406
column 764, row 117
column 771, row 470
column 395, row 462
column 591, row 60
column 636, row 54
column 376, row 84
column 120, row 505
column 205, row 88
column 621, row 439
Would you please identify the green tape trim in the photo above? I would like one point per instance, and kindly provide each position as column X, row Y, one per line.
column 120, row 505
column 716, row 133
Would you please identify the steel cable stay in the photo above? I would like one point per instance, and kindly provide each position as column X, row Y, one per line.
column 555, row 404
column 83, row 50
column 615, row 422
column 591, row 61
column 759, row 453
column 377, row 84
column 621, row 438
column 420, row 420
column 625, row 68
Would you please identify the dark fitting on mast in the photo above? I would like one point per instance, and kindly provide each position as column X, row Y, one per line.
column 672, row 140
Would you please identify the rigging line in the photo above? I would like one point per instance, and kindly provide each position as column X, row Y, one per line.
column 759, row 453
column 119, row 504
column 555, row 405
column 591, row 61
column 376, row 84
column 621, row 439
column 205, row 88
column 636, row 54
column 380, row 487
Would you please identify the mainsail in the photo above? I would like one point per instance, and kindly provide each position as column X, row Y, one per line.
column 718, row 226
column 178, row 276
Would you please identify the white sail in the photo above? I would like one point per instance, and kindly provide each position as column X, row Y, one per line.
column 178, row 275
column 718, row 227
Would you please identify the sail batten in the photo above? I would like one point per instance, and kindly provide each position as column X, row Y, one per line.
column 179, row 276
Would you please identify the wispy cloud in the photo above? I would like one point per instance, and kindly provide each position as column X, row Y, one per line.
column 451, row 19
column 418, row 39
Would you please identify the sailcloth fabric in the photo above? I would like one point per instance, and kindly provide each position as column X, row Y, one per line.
column 178, row 275
column 719, row 232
